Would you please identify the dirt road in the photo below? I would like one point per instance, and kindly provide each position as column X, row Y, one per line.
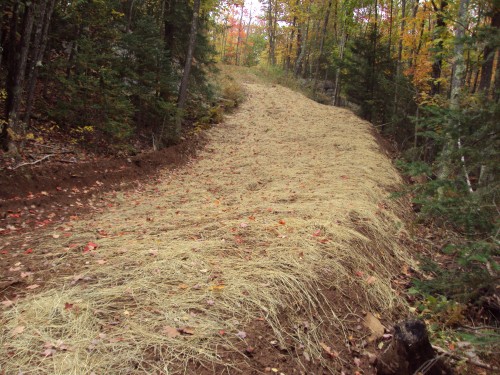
column 261, row 255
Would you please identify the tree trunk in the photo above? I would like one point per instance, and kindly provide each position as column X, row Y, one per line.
column 271, row 33
column 41, row 38
column 456, row 88
column 183, row 90
column 17, row 70
column 290, row 47
column 438, row 58
column 489, row 57
column 238, row 42
column 129, row 17
column 400, row 55
column 322, row 43
column 303, row 49
column 336, row 89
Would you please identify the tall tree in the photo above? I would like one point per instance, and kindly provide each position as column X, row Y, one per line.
column 183, row 90
column 18, row 57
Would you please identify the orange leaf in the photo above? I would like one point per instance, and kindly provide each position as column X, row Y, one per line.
column 171, row 332
column 16, row 331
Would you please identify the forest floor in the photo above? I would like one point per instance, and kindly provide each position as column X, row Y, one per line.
column 269, row 245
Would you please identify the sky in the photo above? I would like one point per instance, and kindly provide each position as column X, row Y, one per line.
column 255, row 6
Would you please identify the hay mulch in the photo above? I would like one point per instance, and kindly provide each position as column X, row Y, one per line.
column 283, row 221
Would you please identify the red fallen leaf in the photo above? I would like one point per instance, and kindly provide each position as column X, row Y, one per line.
column 58, row 188
column 14, row 216
column 359, row 273
column 28, row 251
column 317, row 233
column 344, row 177
column 4, row 252
column 221, row 332
column 103, row 233
column 324, row 240
column 282, row 222
column 90, row 246
column 68, row 306
column 251, row 218
column 238, row 240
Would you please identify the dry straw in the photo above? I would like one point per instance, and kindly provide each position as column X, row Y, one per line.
column 289, row 200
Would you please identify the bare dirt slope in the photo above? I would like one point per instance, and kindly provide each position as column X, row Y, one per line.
column 261, row 254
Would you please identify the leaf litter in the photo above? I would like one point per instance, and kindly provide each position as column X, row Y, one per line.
column 277, row 267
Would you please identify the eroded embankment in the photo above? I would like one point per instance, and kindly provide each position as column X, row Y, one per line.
column 281, row 229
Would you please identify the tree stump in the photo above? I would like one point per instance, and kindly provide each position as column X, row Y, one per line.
column 410, row 352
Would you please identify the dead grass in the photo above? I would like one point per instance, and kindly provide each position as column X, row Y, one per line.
column 288, row 200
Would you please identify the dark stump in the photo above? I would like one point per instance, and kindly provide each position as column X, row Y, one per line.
column 410, row 352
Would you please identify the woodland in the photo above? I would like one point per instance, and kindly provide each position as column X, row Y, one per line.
column 100, row 79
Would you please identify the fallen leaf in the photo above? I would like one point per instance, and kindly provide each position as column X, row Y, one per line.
column 56, row 236
column 16, row 331
column 33, row 286
column 243, row 225
column 282, row 222
column 329, row 350
column 29, row 251
column 7, row 303
column 89, row 247
column 26, row 274
column 48, row 352
column 49, row 345
column 317, row 233
column 216, row 287
column 374, row 325
column 68, row 306
column 371, row 280
column 101, row 261
column 183, row 286
column 171, row 332
column 405, row 270
column 357, row 361
column 241, row 334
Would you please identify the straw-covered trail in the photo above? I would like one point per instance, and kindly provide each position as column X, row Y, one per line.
column 262, row 255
